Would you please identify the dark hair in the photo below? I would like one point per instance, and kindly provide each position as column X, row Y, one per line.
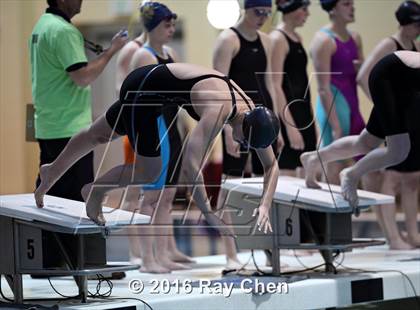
column 52, row 3
column 288, row 6
column 328, row 5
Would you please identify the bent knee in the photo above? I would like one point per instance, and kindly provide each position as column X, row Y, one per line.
column 396, row 156
column 367, row 143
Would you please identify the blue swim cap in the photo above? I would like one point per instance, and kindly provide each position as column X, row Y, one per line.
column 289, row 6
column 153, row 13
column 255, row 3
column 260, row 127
column 408, row 13
column 328, row 5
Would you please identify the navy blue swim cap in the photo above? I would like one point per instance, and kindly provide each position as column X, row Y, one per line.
column 153, row 13
column 260, row 127
column 408, row 13
column 289, row 6
column 255, row 3
column 328, row 5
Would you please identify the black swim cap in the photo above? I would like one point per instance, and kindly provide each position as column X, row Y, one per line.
column 260, row 127
column 408, row 13
column 328, row 5
column 288, row 6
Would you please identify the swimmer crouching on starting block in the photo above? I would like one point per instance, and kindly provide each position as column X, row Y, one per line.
column 393, row 84
column 209, row 97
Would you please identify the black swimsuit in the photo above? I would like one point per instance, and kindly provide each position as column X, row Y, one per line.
column 170, row 131
column 393, row 87
column 296, row 90
column 412, row 162
column 248, row 69
column 144, row 95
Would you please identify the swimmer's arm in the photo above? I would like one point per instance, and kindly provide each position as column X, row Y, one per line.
column 123, row 64
column 271, row 175
column 322, row 49
column 142, row 58
column 279, row 53
column 224, row 51
column 361, row 57
column 197, row 149
column 265, row 39
column 384, row 48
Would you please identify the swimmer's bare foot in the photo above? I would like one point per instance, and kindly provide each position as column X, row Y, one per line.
column 179, row 257
column 349, row 188
column 233, row 264
column 414, row 240
column 310, row 162
column 168, row 264
column 45, row 185
column 399, row 245
column 153, row 267
column 134, row 260
column 94, row 206
column 404, row 236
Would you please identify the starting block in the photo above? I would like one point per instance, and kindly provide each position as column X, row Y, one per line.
column 301, row 218
column 58, row 239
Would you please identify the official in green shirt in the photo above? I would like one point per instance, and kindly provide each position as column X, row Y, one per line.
column 61, row 75
column 62, row 108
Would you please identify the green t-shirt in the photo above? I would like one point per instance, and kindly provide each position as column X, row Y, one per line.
column 61, row 107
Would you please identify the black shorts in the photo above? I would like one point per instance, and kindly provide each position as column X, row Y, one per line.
column 302, row 115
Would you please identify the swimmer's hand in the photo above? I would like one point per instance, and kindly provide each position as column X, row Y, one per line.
column 357, row 63
column 232, row 147
column 263, row 221
column 295, row 138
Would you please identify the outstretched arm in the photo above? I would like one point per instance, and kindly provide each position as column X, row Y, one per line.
column 199, row 144
column 271, row 175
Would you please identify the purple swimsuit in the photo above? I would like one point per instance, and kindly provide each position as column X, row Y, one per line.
column 344, row 89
